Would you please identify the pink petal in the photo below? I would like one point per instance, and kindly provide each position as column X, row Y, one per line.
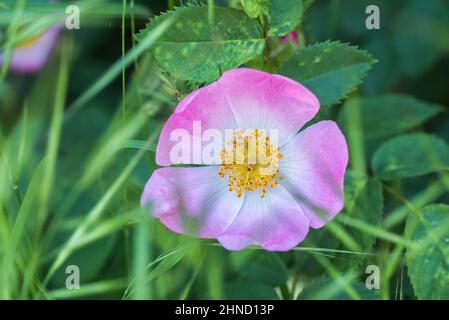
column 268, row 101
column 244, row 99
column 275, row 222
column 32, row 58
column 209, row 107
column 314, row 165
column 191, row 200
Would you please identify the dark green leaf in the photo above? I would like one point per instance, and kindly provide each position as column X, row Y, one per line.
column 411, row 156
column 354, row 184
column 245, row 290
column 195, row 50
column 253, row 8
column 387, row 115
column 366, row 204
column 330, row 70
column 428, row 264
column 261, row 267
column 285, row 15
column 384, row 73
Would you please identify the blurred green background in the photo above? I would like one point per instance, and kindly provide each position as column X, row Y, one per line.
column 77, row 145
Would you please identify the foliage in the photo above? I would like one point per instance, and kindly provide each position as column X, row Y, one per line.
column 77, row 144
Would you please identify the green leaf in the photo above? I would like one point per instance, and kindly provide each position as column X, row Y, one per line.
column 245, row 290
column 195, row 50
column 261, row 267
column 354, row 184
column 16, row 237
column 428, row 264
column 331, row 70
column 253, row 8
column 388, row 115
column 411, row 156
column 366, row 203
column 285, row 15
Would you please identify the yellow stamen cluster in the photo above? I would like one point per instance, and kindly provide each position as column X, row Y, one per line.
column 251, row 162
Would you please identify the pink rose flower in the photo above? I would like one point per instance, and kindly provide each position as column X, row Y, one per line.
column 236, row 203
column 31, row 56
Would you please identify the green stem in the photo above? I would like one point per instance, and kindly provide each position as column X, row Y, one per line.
column 355, row 136
column 433, row 192
column 285, row 293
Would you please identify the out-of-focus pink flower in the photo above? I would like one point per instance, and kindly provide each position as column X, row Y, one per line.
column 235, row 203
column 291, row 37
column 31, row 56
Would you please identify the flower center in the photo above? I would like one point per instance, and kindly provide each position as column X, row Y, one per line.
column 251, row 162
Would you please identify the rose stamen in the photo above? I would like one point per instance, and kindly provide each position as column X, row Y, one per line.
column 259, row 168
